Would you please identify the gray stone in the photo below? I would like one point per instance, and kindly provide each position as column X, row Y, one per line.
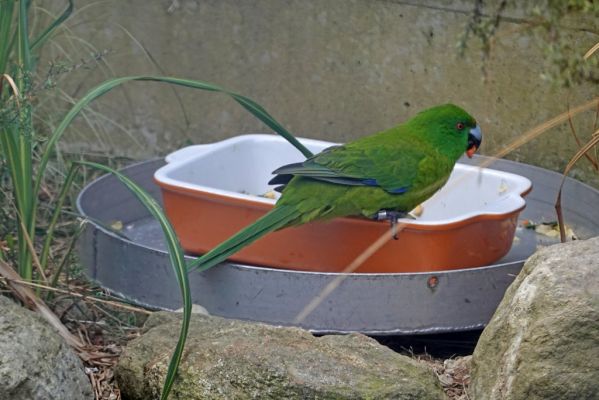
column 35, row 362
column 543, row 341
column 229, row 359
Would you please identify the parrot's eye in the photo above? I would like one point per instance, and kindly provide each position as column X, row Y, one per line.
column 460, row 126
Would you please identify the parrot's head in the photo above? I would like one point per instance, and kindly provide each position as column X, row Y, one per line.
column 451, row 128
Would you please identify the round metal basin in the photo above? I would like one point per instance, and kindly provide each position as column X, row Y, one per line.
column 132, row 263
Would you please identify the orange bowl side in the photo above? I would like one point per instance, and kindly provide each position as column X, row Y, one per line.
column 203, row 220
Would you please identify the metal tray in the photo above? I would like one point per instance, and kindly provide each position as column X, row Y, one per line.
column 133, row 264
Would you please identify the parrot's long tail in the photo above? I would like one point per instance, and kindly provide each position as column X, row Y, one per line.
column 277, row 218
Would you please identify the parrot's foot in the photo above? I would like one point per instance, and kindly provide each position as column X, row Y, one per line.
column 392, row 217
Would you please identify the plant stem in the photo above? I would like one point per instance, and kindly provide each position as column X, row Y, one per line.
column 21, row 162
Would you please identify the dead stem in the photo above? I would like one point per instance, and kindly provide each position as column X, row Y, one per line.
column 28, row 297
column 78, row 295
column 540, row 129
column 11, row 82
column 558, row 202
column 591, row 51
column 329, row 288
column 36, row 260
column 588, row 156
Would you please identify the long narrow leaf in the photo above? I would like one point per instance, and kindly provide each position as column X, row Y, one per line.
column 23, row 37
column 52, row 27
column 177, row 259
column 263, row 116
column 6, row 17
column 253, row 107
column 22, row 132
column 65, row 258
column 66, row 186
column 175, row 251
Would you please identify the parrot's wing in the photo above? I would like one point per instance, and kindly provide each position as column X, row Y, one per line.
column 286, row 172
column 392, row 168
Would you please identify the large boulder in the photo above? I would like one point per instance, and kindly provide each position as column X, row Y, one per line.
column 35, row 362
column 543, row 341
column 229, row 359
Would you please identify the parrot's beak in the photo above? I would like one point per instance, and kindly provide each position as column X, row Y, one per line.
column 475, row 137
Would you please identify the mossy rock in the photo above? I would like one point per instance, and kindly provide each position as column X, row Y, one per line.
column 230, row 359
column 543, row 341
column 35, row 362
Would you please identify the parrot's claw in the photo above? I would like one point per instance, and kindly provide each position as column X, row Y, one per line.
column 392, row 217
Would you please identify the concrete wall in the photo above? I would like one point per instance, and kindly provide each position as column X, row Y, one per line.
column 330, row 69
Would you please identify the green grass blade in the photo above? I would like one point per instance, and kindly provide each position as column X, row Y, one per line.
column 253, row 107
column 52, row 27
column 6, row 18
column 175, row 251
column 23, row 38
column 267, row 119
column 177, row 261
column 49, row 236
column 22, row 163
column 56, row 274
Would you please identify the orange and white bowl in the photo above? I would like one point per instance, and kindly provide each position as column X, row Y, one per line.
column 211, row 191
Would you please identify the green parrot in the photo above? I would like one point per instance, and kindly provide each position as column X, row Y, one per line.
column 381, row 176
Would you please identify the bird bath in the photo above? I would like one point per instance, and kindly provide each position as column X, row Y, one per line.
column 133, row 263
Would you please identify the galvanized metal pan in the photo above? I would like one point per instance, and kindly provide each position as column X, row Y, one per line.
column 132, row 263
